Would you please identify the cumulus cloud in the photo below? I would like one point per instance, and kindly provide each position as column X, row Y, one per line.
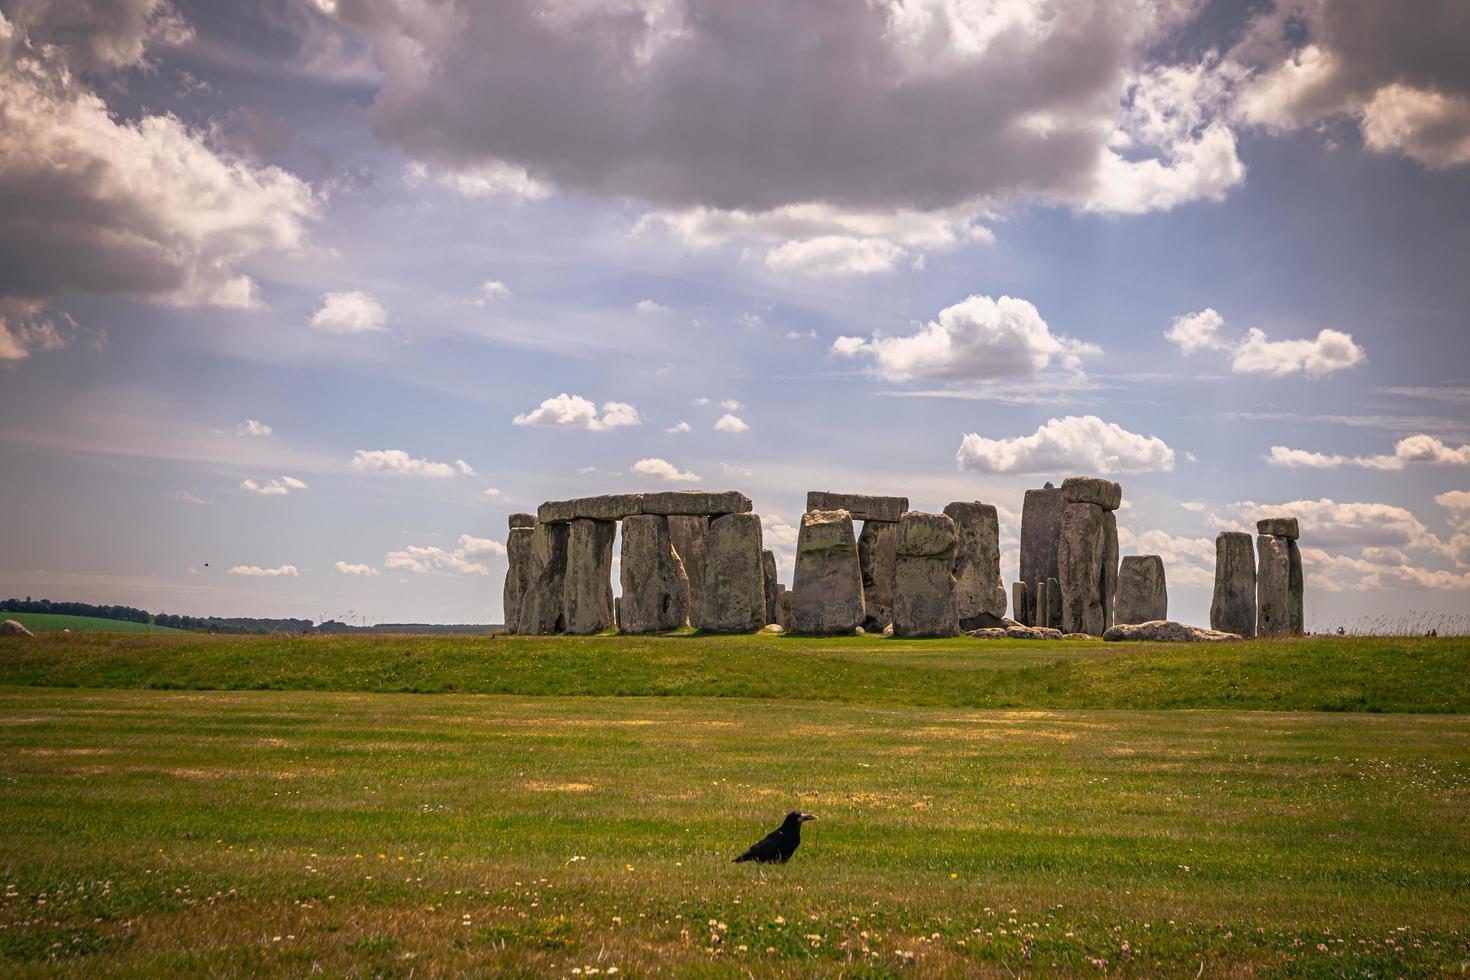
column 273, row 488
column 140, row 207
column 252, row 427
column 493, row 178
column 1331, row 350
column 1409, row 450
column 575, row 412
column 255, row 571
column 493, row 492
column 679, row 427
column 731, row 423
column 1397, row 70
column 489, row 291
column 1187, row 561
column 1327, row 523
column 429, row 559
column 977, row 339
column 343, row 568
column 1071, row 444
column 662, row 469
column 399, row 462
column 473, row 547
column 349, row 312
column 647, row 307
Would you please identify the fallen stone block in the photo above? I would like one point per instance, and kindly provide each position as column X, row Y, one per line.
column 1167, row 631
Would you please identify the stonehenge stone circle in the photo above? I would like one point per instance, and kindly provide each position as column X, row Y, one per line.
column 734, row 580
column 608, row 507
column 1233, row 608
column 772, row 587
column 860, row 506
column 1041, row 526
column 688, row 536
column 696, row 503
column 542, row 608
column 877, row 561
column 655, row 586
column 979, row 594
column 827, row 589
column 924, row 601
column 588, row 588
column 520, row 570
column 1087, row 554
column 1278, row 586
column 1143, row 596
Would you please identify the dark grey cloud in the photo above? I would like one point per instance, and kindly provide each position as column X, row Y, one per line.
column 101, row 36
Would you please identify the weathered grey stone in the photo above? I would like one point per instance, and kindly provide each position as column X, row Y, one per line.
column 1081, row 559
column 608, row 507
column 1233, row 606
column 688, row 536
column 1278, row 586
column 1043, row 602
column 655, row 586
column 1053, row 604
column 1041, row 528
column 13, row 628
column 519, row 574
column 924, row 600
column 772, row 587
column 1279, row 527
column 1018, row 600
column 1015, row 631
column 860, row 506
column 1165, row 631
column 734, row 582
column 1109, row 566
column 1143, row 596
column 522, row 521
column 696, row 503
column 877, row 561
column 827, row 590
column 543, row 608
column 979, row 594
column 587, row 593
column 788, row 619
column 1092, row 490
column 775, row 628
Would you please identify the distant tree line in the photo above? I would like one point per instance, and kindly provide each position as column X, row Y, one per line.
column 239, row 624
column 217, row 624
column 30, row 605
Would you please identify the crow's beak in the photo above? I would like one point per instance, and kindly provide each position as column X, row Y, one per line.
column 808, row 816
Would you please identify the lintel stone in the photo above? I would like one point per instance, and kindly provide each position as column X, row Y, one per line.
column 696, row 503
column 861, row 506
column 608, row 507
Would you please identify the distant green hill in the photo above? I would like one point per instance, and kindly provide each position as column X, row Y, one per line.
column 54, row 623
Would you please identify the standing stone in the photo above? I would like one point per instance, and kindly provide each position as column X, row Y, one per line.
column 828, row 586
column 979, row 594
column 734, row 581
column 1043, row 603
column 1278, row 586
column 876, row 559
column 655, row 586
column 772, row 587
column 588, row 591
column 1296, row 619
column 543, row 608
column 787, row 618
column 1018, row 600
column 1142, row 594
column 1110, row 566
column 520, row 562
column 1080, row 559
column 1053, row 602
column 688, row 536
column 1041, row 526
column 924, row 600
column 1233, row 608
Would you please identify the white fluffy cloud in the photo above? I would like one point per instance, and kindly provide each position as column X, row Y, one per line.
column 140, row 207
column 648, row 307
column 428, row 559
column 1331, row 350
column 185, row 497
column 662, row 469
column 731, row 423
column 1188, row 562
column 344, row 568
column 679, row 427
column 836, row 255
column 1327, row 523
column 1074, row 444
column 977, row 339
column 489, row 291
column 1409, row 450
column 273, row 488
column 255, row 571
column 575, row 412
column 349, row 312
column 399, row 462
column 252, row 427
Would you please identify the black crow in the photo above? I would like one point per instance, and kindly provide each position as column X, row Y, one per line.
column 780, row 843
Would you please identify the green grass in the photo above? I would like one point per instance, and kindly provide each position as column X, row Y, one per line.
column 986, row 808
column 55, row 622
column 1335, row 674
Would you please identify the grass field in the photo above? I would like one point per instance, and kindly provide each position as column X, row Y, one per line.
column 333, row 826
column 54, row 622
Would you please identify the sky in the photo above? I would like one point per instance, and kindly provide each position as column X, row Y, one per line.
column 300, row 299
